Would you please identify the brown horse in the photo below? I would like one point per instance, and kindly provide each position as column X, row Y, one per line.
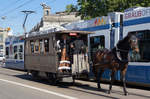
column 115, row 59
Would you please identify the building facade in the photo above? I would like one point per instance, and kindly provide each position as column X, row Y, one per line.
column 58, row 20
column 3, row 36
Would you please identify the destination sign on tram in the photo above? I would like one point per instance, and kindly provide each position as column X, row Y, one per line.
column 142, row 12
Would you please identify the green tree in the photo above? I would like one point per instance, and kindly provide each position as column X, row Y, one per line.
column 93, row 8
column 71, row 8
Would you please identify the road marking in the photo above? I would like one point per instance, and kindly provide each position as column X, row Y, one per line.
column 39, row 89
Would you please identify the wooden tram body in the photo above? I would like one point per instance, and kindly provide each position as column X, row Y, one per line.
column 44, row 58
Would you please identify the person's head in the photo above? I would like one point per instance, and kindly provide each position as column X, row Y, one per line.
column 78, row 36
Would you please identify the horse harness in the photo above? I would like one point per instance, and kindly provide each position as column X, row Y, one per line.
column 117, row 56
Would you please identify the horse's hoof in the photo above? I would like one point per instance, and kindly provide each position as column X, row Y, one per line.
column 98, row 86
column 126, row 94
column 108, row 92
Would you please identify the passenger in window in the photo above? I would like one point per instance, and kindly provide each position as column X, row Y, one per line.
column 41, row 46
column 58, row 46
column 78, row 45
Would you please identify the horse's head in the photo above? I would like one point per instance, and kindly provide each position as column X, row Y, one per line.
column 130, row 42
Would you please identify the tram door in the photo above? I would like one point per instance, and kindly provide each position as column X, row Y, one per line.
column 112, row 38
column 121, row 27
column 96, row 42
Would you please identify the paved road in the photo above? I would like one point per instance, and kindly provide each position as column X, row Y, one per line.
column 17, row 85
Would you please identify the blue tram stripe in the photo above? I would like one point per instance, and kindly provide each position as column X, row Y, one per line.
column 14, row 42
column 125, row 23
column 137, row 21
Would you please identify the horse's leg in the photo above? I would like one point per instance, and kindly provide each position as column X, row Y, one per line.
column 123, row 72
column 96, row 73
column 112, row 78
column 99, row 77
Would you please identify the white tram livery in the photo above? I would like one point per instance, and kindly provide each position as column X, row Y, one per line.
column 14, row 52
column 110, row 29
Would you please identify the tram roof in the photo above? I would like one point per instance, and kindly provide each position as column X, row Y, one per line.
column 46, row 33
column 75, row 31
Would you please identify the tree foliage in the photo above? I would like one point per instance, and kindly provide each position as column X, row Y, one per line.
column 92, row 8
column 71, row 8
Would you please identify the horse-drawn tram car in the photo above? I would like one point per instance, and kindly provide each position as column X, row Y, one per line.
column 57, row 54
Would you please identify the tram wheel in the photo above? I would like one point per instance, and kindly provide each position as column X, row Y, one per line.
column 34, row 74
column 52, row 78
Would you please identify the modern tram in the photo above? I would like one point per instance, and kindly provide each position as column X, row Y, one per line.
column 108, row 30
column 14, row 55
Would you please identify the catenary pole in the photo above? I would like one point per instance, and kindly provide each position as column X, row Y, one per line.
column 26, row 15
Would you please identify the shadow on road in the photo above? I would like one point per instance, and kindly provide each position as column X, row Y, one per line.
column 81, row 87
column 68, row 86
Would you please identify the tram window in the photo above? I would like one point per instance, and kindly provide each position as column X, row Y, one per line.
column 97, row 42
column 46, row 45
column 21, row 48
column 36, row 45
column 41, row 46
column 32, row 46
column 1, row 46
column 16, row 56
column 20, row 56
column 144, row 53
column 15, row 52
column 7, row 50
column 15, row 49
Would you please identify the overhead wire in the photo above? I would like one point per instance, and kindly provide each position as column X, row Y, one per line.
column 12, row 10
column 20, row 6
column 10, row 5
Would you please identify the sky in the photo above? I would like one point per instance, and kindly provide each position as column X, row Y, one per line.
column 11, row 15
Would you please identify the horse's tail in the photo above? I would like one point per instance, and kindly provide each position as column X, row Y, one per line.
column 94, row 70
